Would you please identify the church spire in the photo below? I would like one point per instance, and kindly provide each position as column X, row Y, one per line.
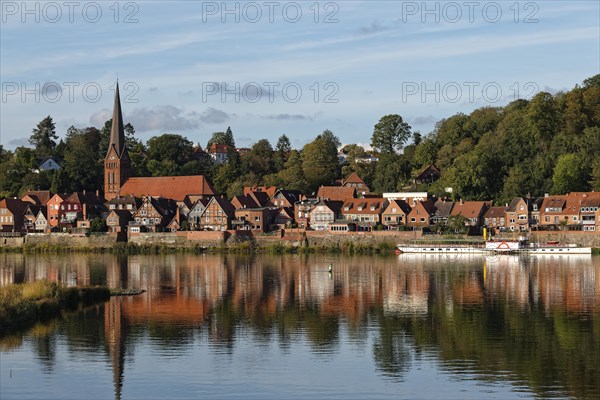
column 117, row 133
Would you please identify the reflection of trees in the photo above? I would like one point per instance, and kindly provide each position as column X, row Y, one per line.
column 523, row 319
column 392, row 350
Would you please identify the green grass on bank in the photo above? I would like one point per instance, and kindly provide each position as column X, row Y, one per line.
column 23, row 304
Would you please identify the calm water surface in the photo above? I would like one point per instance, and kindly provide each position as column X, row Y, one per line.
column 279, row 327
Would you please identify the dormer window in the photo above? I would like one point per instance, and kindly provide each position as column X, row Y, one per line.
column 360, row 208
column 372, row 208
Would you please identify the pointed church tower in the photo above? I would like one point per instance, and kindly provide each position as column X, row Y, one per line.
column 117, row 166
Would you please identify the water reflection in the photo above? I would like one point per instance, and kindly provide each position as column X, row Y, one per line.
column 533, row 322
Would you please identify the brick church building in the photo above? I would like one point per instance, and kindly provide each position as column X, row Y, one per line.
column 118, row 172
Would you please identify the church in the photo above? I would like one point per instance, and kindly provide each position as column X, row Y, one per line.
column 118, row 172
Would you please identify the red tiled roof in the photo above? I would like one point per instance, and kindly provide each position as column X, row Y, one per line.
column 40, row 196
column 170, row 187
column 353, row 206
column 218, row 148
column 468, row 209
column 354, row 178
column 270, row 190
column 495, row 212
column 339, row 193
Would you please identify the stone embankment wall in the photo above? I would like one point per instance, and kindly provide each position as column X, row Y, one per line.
column 585, row 239
column 97, row 241
column 181, row 239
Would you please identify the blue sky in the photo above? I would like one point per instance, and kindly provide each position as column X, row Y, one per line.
column 268, row 68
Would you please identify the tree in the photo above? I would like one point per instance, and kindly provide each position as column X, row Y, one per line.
column 387, row 173
column 259, row 159
column 282, row 151
column 292, row 176
column 98, row 225
column 222, row 138
column 171, row 150
column 81, row 165
column 390, row 134
column 595, row 175
column 319, row 160
column 43, row 137
column 569, row 176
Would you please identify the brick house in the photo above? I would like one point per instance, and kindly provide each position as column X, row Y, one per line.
column 129, row 203
column 79, row 208
column 356, row 182
column 428, row 174
column 11, row 214
column 283, row 217
column 365, row 212
column 395, row 214
column 29, row 216
column 551, row 213
column 243, row 201
column 494, row 219
column 153, row 215
column 324, row 213
column 302, row 210
column 420, row 215
column 218, row 152
column 285, row 198
column 196, row 210
column 54, row 208
column 41, row 220
column 443, row 209
column 217, row 215
column 118, row 220
column 590, row 206
column 517, row 215
column 252, row 219
column 473, row 211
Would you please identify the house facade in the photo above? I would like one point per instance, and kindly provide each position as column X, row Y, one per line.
column 395, row 214
column 217, row 215
column 324, row 213
column 365, row 212
column 11, row 215
column 420, row 215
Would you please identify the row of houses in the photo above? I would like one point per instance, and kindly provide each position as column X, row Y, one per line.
column 264, row 209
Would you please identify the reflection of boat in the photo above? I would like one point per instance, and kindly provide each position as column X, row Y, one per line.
column 495, row 247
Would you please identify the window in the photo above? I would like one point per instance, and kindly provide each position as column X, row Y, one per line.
column 143, row 212
column 112, row 206
column 422, row 219
column 413, row 219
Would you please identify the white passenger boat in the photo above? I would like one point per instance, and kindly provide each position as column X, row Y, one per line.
column 495, row 247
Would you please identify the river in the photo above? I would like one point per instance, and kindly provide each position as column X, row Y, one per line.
column 283, row 327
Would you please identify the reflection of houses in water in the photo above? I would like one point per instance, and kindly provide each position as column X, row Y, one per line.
column 406, row 292
column 564, row 282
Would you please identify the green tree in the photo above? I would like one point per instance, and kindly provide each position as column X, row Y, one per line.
column 222, row 138
column 390, row 134
column 319, row 160
column 282, row 151
column 388, row 173
column 292, row 176
column 43, row 137
column 569, row 176
column 81, row 165
column 595, row 175
column 170, row 150
column 259, row 159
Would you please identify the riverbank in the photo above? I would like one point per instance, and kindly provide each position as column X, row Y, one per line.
column 284, row 242
column 21, row 305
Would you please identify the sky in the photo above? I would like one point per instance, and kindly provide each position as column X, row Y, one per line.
column 266, row 68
